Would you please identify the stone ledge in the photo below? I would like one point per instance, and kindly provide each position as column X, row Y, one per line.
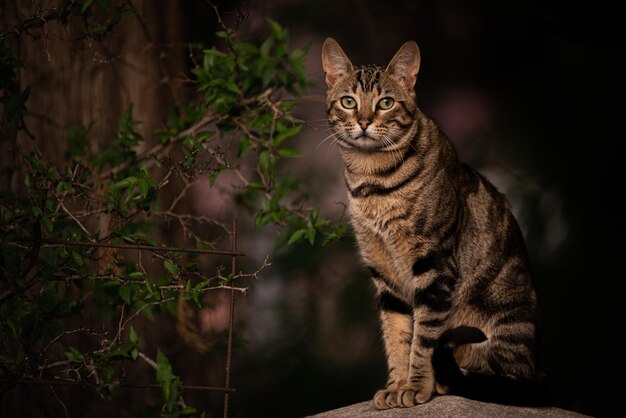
column 448, row 406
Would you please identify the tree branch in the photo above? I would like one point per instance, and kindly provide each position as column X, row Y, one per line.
column 42, row 17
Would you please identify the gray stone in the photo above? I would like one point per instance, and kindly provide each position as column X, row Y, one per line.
column 448, row 406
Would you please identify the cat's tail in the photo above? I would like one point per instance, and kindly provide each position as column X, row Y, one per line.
column 483, row 387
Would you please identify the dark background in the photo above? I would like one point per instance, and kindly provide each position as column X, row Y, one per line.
column 552, row 74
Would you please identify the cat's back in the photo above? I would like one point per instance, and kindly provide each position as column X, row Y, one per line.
column 486, row 217
column 491, row 253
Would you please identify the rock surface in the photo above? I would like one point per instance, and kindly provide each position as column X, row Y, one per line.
column 448, row 406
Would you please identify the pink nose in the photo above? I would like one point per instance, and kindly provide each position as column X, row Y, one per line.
column 364, row 123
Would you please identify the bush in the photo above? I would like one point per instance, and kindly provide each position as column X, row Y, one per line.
column 59, row 260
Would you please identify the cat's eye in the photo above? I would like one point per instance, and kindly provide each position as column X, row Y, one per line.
column 348, row 102
column 385, row 103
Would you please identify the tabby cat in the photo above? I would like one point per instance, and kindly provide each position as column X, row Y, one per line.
column 447, row 257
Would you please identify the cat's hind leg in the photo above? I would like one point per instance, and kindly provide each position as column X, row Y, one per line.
column 508, row 351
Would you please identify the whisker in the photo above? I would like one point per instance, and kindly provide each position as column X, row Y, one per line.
column 324, row 129
column 398, row 132
column 332, row 147
column 395, row 152
column 331, row 136
column 319, row 120
column 314, row 123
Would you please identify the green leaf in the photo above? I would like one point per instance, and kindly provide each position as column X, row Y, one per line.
column 136, row 275
column 188, row 410
column 134, row 341
column 170, row 267
column 335, row 234
column 144, row 188
column 262, row 218
column 164, row 374
column 47, row 223
column 288, row 153
column 78, row 259
column 275, row 27
column 86, row 5
column 313, row 215
column 213, row 178
column 286, row 133
column 125, row 183
column 63, row 186
column 149, row 288
column 170, row 383
column 133, row 338
column 107, row 372
column 296, row 236
column 231, row 86
column 310, row 235
column 216, row 172
column 257, row 185
column 264, row 161
column 243, row 147
column 298, row 54
column 74, row 355
column 125, row 293
column 204, row 135
column 147, row 312
column 265, row 48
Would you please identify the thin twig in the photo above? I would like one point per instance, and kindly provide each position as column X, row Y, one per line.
column 135, row 314
column 54, row 392
column 71, row 215
column 148, row 360
column 60, row 363
column 127, row 246
column 181, row 195
column 60, row 382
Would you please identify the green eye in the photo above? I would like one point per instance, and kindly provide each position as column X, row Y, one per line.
column 348, row 102
column 385, row 103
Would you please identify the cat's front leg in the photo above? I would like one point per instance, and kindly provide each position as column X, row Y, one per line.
column 397, row 328
column 431, row 308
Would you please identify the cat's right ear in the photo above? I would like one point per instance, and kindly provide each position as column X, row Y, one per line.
column 406, row 64
column 335, row 61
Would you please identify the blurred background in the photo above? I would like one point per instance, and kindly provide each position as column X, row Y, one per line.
column 529, row 92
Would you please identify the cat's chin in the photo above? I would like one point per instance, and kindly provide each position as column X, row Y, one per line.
column 365, row 143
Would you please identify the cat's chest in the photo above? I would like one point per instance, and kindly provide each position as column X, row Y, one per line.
column 383, row 233
column 381, row 216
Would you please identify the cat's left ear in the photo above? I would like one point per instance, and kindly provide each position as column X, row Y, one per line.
column 406, row 64
column 334, row 61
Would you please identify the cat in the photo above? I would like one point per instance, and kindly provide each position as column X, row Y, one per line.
column 449, row 264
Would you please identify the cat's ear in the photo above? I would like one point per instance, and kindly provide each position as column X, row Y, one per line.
column 406, row 64
column 334, row 61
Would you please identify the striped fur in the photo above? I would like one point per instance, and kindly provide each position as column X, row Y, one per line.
column 440, row 241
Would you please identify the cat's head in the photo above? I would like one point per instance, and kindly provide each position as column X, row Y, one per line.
column 371, row 108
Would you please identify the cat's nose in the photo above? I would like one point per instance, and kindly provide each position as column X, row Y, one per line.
column 364, row 123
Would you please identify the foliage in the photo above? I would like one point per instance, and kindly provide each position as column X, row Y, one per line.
column 110, row 194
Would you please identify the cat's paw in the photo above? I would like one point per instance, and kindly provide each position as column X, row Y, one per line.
column 441, row 389
column 405, row 395
column 414, row 394
column 386, row 398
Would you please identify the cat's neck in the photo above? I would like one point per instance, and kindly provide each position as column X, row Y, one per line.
column 361, row 162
